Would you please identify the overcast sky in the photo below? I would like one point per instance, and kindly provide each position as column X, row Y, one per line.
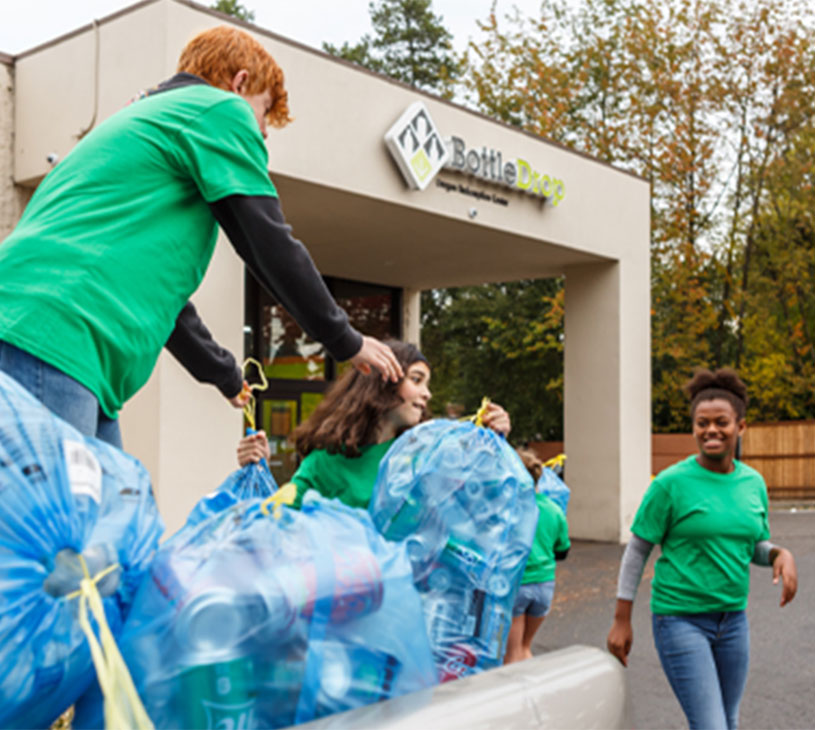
column 27, row 23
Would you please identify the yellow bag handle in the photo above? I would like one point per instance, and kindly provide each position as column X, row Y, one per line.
column 123, row 706
column 478, row 417
column 284, row 495
column 249, row 408
column 558, row 460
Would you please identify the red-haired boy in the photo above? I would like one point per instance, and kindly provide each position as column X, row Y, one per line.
column 95, row 278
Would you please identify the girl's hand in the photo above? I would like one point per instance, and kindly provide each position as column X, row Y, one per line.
column 784, row 568
column 251, row 449
column 620, row 639
column 497, row 419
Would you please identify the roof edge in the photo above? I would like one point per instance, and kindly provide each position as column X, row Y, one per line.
column 315, row 51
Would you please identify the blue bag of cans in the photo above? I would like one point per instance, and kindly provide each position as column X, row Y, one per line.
column 248, row 482
column 555, row 488
column 250, row 621
column 62, row 495
column 464, row 504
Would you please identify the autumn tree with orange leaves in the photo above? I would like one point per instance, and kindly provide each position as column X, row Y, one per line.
column 713, row 102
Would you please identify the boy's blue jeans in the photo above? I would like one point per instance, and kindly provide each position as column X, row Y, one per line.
column 60, row 393
column 705, row 657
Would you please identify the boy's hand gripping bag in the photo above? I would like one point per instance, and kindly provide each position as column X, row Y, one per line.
column 62, row 496
column 249, row 621
column 464, row 503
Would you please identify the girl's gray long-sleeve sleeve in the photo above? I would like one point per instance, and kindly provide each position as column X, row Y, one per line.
column 631, row 567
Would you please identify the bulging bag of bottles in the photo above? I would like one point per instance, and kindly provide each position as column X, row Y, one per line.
column 555, row 488
column 62, row 496
column 248, row 482
column 464, row 504
column 250, row 621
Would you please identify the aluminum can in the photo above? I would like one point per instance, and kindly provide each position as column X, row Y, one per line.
column 219, row 695
column 357, row 586
column 456, row 661
column 216, row 685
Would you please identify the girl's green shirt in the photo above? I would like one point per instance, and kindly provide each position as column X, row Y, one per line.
column 708, row 525
column 551, row 536
column 350, row 479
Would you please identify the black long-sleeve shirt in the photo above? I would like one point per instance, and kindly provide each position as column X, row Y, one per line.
column 257, row 229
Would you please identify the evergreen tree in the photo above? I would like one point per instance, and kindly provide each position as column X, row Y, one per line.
column 235, row 9
column 410, row 44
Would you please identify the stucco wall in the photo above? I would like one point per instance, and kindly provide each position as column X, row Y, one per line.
column 350, row 205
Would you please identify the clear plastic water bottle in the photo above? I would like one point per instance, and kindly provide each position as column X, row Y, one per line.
column 354, row 675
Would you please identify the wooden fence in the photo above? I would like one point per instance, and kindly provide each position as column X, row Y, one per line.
column 783, row 452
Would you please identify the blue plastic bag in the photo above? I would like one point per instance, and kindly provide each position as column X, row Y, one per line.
column 247, row 621
column 249, row 482
column 61, row 494
column 555, row 488
column 464, row 504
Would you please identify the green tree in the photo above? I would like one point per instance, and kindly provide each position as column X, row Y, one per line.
column 235, row 9
column 504, row 341
column 409, row 43
column 705, row 99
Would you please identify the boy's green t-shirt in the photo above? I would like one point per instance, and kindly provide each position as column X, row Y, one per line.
column 708, row 525
column 119, row 235
column 551, row 536
column 350, row 479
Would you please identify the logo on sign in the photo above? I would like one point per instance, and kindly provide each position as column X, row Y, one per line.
column 416, row 145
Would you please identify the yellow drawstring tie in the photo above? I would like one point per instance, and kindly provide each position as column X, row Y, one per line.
column 558, row 460
column 123, row 706
column 478, row 417
column 284, row 495
column 249, row 408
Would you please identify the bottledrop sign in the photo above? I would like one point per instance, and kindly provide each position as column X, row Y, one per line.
column 416, row 145
column 492, row 166
column 421, row 152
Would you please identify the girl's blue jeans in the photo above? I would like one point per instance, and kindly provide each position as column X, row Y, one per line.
column 60, row 393
column 705, row 657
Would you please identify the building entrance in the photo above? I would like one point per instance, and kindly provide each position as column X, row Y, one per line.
column 299, row 369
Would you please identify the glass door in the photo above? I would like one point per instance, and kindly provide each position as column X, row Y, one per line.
column 298, row 369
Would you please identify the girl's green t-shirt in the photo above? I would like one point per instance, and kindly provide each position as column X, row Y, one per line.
column 119, row 235
column 708, row 525
column 551, row 536
column 350, row 479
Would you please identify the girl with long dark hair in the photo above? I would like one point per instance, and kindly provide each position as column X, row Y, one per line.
column 346, row 436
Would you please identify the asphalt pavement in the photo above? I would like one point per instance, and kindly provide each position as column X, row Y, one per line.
column 781, row 686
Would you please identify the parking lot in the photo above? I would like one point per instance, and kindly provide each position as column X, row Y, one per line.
column 782, row 674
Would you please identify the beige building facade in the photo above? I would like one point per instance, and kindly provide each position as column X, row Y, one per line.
column 394, row 192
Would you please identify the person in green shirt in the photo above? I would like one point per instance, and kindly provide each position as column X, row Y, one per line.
column 347, row 436
column 118, row 236
column 537, row 588
column 709, row 513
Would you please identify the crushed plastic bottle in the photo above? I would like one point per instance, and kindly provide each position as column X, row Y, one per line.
column 463, row 502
